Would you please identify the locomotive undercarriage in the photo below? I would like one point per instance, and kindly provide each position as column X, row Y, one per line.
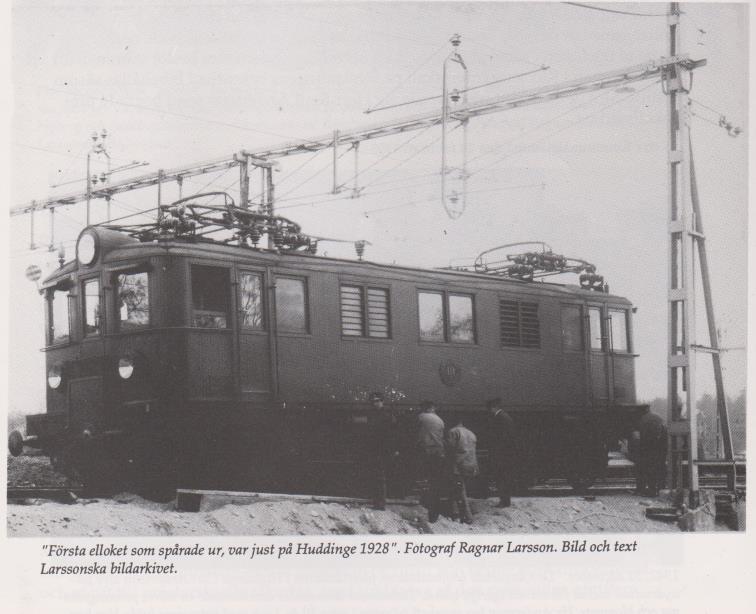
column 307, row 451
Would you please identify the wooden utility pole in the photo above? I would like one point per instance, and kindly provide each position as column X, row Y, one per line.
column 681, row 361
column 685, row 239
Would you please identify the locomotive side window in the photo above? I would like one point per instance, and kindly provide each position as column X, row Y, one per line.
column 91, row 295
column 364, row 312
column 519, row 324
column 133, row 300
column 291, row 305
column 210, row 294
column 251, row 301
column 595, row 326
column 461, row 328
column 431, row 309
column 618, row 319
column 446, row 317
column 59, row 324
column 572, row 327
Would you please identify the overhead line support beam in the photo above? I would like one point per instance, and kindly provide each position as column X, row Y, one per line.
column 262, row 157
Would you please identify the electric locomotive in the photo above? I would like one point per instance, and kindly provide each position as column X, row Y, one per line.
column 173, row 359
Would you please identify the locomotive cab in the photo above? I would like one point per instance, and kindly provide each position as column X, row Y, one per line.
column 102, row 360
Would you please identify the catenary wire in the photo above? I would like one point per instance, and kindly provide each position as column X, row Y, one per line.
column 60, row 153
column 407, row 78
column 379, row 160
column 519, row 136
column 707, row 107
column 541, row 125
column 526, row 146
column 316, row 173
column 469, row 89
column 427, row 200
column 166, row 112
column 572, row 124
column 289, row 175
column 618, row 11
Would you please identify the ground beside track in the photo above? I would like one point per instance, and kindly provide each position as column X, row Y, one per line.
column 34, row 470
column 127, row 514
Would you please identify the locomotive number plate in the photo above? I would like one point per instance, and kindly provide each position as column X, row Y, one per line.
column 450, row 373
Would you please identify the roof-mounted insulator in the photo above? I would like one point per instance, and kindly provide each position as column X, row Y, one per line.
column 359, row 247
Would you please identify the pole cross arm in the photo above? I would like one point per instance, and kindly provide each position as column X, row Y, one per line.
column 261, row 157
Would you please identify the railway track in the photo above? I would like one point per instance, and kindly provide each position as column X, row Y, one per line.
column 60, row 494
column 621, row 482
column 614, row 485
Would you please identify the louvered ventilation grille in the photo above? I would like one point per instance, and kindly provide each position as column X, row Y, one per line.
column 519, row 324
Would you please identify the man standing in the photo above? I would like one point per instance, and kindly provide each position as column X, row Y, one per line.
column 380, row 448
column 652, row 454
column 461, row 446
column 503, row 451
column 430, row 441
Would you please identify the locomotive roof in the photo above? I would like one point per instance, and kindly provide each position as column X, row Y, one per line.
column 122, row 254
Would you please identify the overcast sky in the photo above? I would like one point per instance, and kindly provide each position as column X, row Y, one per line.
column 179, row 82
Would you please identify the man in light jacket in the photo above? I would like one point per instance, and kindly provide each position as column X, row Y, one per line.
column 461, row 445
column 430, row 443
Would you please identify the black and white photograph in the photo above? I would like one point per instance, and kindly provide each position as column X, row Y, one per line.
column 377, row 268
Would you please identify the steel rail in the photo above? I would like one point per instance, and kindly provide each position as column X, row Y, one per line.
column 36, row 492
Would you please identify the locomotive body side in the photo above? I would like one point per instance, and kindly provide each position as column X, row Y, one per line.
column 234, row 366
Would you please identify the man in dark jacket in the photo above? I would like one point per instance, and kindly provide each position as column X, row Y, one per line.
column 430, row 443
column 652, row 454
column 380, row 449
column 503, row 451
column 463, row 460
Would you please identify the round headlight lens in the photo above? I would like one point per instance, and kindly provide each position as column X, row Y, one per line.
column 54, row 376
column 86, row 248
column 125, row 367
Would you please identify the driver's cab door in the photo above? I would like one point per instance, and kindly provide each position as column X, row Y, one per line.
column 254, row 342
column 598, row 356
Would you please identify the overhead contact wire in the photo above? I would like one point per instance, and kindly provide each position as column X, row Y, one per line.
column 617, row 11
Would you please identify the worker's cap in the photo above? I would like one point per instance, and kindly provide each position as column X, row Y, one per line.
column 495, row 402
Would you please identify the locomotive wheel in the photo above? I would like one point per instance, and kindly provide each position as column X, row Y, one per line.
column 15, row 443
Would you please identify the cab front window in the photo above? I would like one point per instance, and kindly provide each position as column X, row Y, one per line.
column 92, row 319
column 618, row 319
column 58, row 322
column 133, row 300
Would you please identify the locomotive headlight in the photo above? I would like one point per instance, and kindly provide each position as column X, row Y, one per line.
column 126, row 367
column 86, row 248
column 54, row 376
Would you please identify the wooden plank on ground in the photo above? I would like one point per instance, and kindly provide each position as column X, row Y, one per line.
column 190, row 500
